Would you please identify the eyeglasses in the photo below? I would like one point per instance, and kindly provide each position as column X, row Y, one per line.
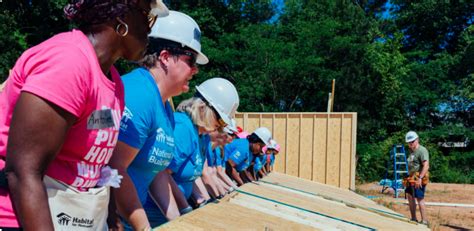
column 147, row 13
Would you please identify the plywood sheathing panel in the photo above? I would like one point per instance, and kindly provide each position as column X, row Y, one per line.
column 333, row 156
column 338, row 211
column 253, row 122
column 306, row 147
column 230, row 216
column 293, row 145
column 315, row 146
column 319, row 149
column 290, row 203
column 279, row 134
column 288, row 212
column 345, row 162
column 327, row 191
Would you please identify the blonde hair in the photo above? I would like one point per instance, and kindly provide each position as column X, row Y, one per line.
column 201, row 114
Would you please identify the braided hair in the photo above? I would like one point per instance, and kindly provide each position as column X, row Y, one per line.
column 90, row 12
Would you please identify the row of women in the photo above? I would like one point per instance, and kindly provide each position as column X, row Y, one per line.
column 82, row 148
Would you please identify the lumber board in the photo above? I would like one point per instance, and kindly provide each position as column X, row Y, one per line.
column 326, row 191
column 230, row 216
column 337, row 211
column 444, row 204
column 353, row 150
column 291, row 203
column 314, row 220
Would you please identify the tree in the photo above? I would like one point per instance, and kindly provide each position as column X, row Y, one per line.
column 25, row 24
column 437, row 42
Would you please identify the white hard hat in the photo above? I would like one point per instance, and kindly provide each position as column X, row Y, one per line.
column 410, row 136
column 222, row 96
column 158, row 8
column 180, row 28
column 264, row 134
column 231, row 128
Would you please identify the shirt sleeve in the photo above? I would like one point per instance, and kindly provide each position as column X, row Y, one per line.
column 60, row 74
column 425, row 155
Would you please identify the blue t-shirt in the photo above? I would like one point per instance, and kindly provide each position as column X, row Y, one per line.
column 239, row 152
column 147, row 125
column 220, row 161
column 259, row 161
column 269, row 159
column 190, row 153
column 272, row 159
column 211, row 156
column 214, row 156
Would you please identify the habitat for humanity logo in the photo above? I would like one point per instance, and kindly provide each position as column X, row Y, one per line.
column 64, row 219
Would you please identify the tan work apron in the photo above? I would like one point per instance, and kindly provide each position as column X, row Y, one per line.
column 75, row 210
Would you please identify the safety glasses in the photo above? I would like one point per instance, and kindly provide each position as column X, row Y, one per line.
column 192, row 56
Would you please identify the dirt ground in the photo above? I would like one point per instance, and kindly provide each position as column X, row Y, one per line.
column 441, row 218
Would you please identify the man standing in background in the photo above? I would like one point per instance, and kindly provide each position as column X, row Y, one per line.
column 418, row 165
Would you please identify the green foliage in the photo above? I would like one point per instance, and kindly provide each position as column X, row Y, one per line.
column 372, row 158
column 12, row 43
column 433, row 26
column 410, row 70
column 25, row 24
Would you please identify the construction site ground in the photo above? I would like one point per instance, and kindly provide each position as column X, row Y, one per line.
column 440, row 217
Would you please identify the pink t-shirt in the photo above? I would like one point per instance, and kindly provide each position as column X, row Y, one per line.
column 65, row 70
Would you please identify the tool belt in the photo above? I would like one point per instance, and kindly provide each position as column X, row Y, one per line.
column 411, row 180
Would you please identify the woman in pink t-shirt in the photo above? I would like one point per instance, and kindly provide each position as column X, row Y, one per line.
column 60, row 112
